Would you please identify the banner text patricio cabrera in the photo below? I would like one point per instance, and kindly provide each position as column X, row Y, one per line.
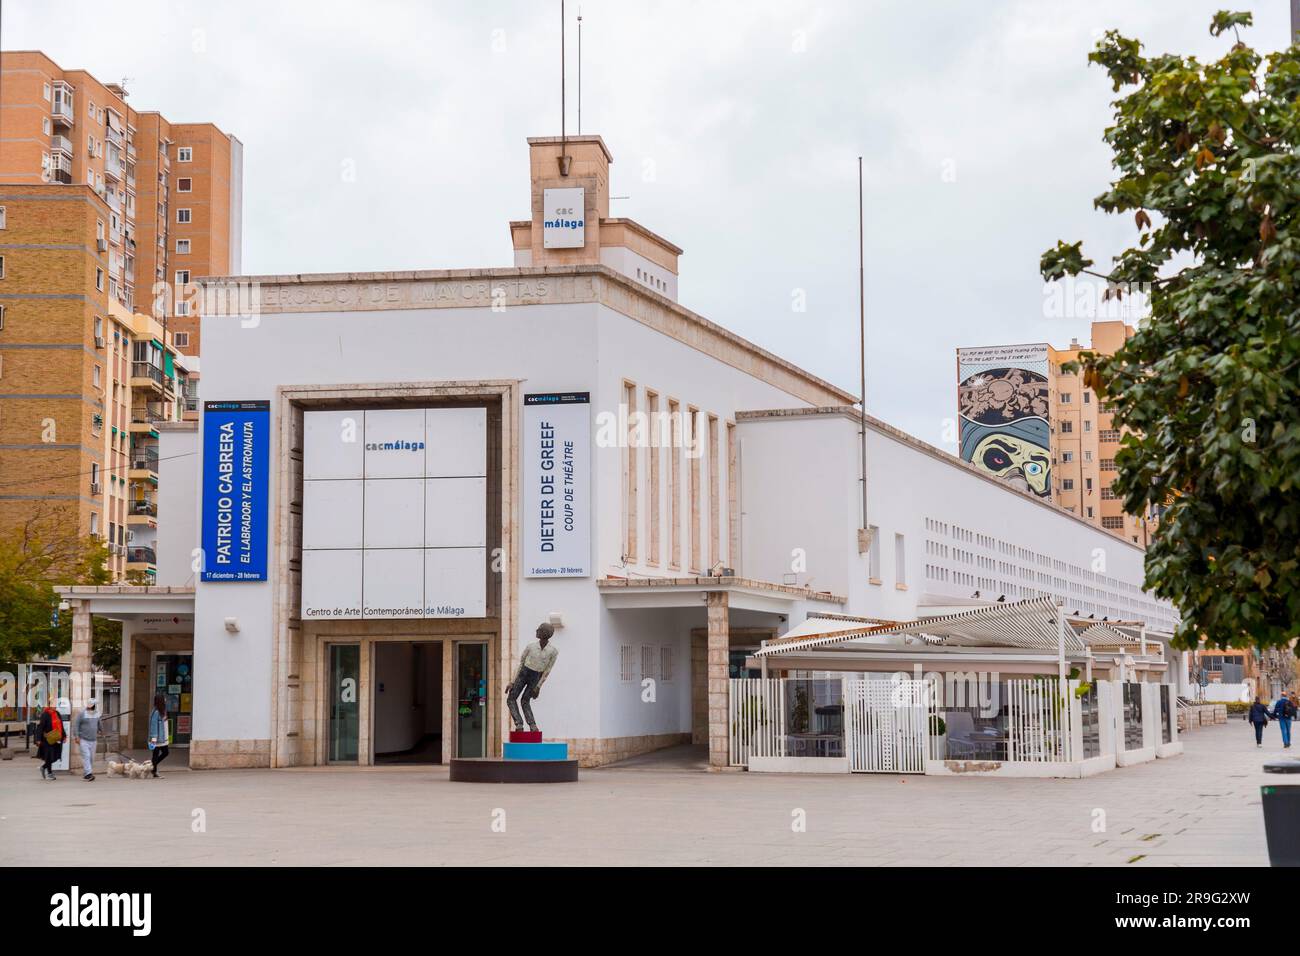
column 235, row 496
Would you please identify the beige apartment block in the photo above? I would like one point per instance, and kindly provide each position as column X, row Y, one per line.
column 174, row 191
column 107, row 217
column 83, row 381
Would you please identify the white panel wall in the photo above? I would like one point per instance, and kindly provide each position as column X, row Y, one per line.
column 907, row 486
column 413, row 530
column 178, row 506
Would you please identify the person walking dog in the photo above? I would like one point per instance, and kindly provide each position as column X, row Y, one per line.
column 50, row 744
column 85, row 733
column 158, row 732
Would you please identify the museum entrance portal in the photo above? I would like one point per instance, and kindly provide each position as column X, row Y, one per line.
column 406, row 696
column 402, row 697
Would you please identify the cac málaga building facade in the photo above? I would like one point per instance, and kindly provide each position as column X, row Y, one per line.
column 397, row 476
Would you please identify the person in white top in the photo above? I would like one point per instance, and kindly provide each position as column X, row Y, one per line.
column 534, row 667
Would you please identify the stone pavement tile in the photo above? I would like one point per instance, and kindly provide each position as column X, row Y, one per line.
column 339, row 817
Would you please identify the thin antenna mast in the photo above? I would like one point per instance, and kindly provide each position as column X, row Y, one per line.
column 564, row 139
column 864, row 536
column 580, row 69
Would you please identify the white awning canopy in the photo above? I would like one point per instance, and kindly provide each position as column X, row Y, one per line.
column 1021, row 624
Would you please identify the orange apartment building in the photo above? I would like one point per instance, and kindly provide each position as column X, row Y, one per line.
column 1028, row 421
column 107, row 216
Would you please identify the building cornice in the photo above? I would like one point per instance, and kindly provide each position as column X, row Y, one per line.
column 522, row 286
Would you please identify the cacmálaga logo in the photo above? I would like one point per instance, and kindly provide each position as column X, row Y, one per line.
column 395, row 446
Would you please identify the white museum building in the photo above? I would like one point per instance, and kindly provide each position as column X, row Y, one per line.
column 397, row 476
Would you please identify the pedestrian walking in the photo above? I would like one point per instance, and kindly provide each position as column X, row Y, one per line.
column 158, row 732
column 1284, row 712
column 50, row 741
column 1259, row 717
column 85, row 734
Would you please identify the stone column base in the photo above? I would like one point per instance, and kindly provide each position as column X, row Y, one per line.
column 229, row 754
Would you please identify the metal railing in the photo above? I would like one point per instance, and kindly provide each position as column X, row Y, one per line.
column 145, row 370
column 141, row 556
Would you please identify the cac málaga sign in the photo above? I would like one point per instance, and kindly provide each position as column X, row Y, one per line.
column 235, row 493
column 557, row 485
column 563, row 225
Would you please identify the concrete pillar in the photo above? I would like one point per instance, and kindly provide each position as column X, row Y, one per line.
column 719, row 642
column 82, row 634
column 1185, row 675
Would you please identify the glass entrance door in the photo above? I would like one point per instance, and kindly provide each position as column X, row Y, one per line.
column 174, row 679
column 471, row 700
column 345, row 708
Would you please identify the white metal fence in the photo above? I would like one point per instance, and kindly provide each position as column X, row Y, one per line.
column 887, row 725
column 756, row 719
column 1041, row 719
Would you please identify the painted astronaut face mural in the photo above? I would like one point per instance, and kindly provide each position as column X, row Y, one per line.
column 1018, row 462
column 1003, row 401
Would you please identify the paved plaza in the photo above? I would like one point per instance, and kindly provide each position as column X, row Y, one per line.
column 1200, row 808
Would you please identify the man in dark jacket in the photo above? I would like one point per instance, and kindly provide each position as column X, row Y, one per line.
column 1284, row 713
column 1259, row 717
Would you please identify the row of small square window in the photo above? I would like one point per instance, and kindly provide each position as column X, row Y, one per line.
column 656, row 662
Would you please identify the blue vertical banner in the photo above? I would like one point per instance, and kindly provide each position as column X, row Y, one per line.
column 236, row 440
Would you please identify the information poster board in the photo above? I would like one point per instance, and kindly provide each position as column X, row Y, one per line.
column 556, row 460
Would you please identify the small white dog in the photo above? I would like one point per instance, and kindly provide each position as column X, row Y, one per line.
column 135, row 770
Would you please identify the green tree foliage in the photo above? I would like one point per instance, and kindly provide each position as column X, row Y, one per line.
column 1207, row 162
column 35, row 556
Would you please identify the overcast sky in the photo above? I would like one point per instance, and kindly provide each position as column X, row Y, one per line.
column 735, row 129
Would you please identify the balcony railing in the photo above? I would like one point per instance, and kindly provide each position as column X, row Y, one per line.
column 146, row 460
column 61, row 143
column 145, row 370
column 144, row 506
column 141, row 556
column 62, row 109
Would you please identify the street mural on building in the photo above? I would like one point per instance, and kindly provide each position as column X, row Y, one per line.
column 1002, row 401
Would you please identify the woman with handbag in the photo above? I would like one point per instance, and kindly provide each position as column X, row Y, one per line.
column 49, row 746
column 158, row 732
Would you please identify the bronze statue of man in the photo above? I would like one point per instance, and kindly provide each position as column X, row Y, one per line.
column 534, row 667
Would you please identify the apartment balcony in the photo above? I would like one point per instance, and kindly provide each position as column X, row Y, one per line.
column 113, row 167
column 141, row 559
column 60, row 169
column 61, row 144
column 114, row 136
column 62, row 111
column 143, row 508
column 146, row 376
column 146, row 476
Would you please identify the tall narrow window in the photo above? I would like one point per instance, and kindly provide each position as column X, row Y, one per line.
column 733, row 499
column 900, row 561
column 695, row 452
column 715, row 498
column 676, row 436
column 873, row 556
column 631, row 437
column 652, row 483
